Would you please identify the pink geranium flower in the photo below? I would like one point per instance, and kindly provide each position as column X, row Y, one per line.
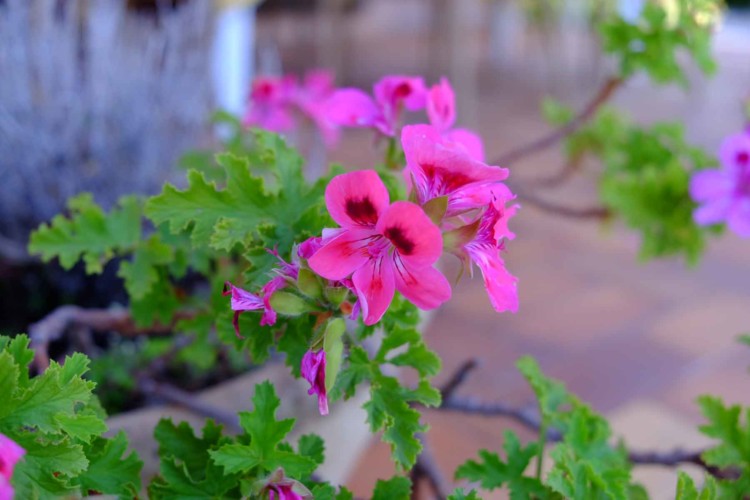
column 354, row 108
column 384, row 246
column 442, row 168
column 10, row 454
column 441, row 110
column 724, row 194
column 314, row 371
column 270, row 104
column 484, row 251
column 276, row 101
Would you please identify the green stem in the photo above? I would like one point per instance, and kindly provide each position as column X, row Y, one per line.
column 390, row 155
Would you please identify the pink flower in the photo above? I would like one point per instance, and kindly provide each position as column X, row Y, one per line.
column 386, row 246
column 308, row 247
column 314, row 371
column 724, row 194
column 270, row 104
column 441, row 110
column 311, row 97
column 280, row 487
column 484, row 251
column 10, row 454
column 354, row 108
column 442, row 168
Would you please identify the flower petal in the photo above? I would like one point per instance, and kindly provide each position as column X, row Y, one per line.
column 392, row 90
column 734, row 152
column 710, row 184
column 425, row 287
column 441, row 105
column 739, row 218
column 352, row 108
column 10, row 454
column 468, row 140
column 417, row 239
column 375, row 287
column 356, row 199
column 713, row 212
column 499, row 283
column 342, row 255
column 442, row 167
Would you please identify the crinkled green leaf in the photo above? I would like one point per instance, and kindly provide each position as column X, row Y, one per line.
column 110, row 471
column 396, row 488
column 492, row 472
column 141, row 274
column 88, row 233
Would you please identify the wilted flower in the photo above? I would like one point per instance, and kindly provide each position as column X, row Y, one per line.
column 313, row 370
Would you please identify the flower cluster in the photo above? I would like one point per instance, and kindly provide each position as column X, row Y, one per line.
column 458, row 204
column 275, row 102
column 724, row 194
column 10, row 454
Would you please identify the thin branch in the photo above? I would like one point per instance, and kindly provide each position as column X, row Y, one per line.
column 426, row 468
column 597, row 212
column 606, row 91
column 53, row 326
column 679, row 456
column 458, row 377
column 186, row 400
column 526, row 416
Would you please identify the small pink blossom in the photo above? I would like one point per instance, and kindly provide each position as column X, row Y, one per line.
column 314, row 371
column 383, row 246
column 308, row 247
column 724, row 194
column 276, row 102
column 484, row 251
column 354, row 108
column 10, row 454
column 442, row 168
column 441, row 110
column 283, row 492
column 270, row 104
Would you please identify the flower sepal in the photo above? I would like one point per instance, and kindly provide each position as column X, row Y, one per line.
column 277, row 487
column 436, row 208
column 455, row 239
column 333, row 345
column 309, row 284
column 290, row 304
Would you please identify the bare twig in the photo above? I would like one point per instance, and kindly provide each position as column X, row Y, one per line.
column 179, row 397
column 596, row 212
column 427, row 468
column 54, row 325
column 606, row 91
column 679, row 456
column 458, row 378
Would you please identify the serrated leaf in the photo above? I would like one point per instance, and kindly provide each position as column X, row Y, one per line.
column 110, row 471
column 396, row 488
column 82, row 425
column 141, row 274
column 459, row 494
column 88, row 233
column 313, row 447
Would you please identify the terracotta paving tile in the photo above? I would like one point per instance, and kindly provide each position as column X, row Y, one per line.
column 705, row 325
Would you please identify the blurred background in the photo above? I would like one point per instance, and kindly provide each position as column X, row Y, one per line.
column 106, row 96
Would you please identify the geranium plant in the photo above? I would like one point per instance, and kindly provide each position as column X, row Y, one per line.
column 249, row 257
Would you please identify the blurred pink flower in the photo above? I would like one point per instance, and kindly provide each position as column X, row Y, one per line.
column 724, row 194
column 10, row 454
column 441, row 110
column 314, row 371
column 354, row 108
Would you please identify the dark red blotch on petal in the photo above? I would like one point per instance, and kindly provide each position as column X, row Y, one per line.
column 361, row 210
column 450, row 180
column 399, row 239
column 743, row 158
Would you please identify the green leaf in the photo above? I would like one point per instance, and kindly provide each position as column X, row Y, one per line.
column 686, row 489
column 417, row 355
column 141, row 274
column 265, row 434
column 82, row 425
column 396, row 488
column 111, row 472
column 492, row 472
column 733, row 433
column 459, row 494
column 88, row 233
column 313, row 447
